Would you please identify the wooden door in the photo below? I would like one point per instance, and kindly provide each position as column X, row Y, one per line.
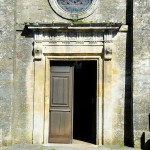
column 61, row 100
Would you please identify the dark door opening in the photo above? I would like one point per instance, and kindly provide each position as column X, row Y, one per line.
column 84, row 105
column 84, row 123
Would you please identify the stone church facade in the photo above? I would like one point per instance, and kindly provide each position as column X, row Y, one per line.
column 39, row 39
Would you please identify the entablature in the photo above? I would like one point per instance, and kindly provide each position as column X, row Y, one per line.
column 65, row 34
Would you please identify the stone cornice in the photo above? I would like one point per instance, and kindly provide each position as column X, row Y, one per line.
column 76, row 26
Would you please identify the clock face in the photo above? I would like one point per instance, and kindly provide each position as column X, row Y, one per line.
column 74, row 6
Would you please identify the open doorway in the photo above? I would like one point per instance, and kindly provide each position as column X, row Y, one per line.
column 84, row 99
column 84, row 121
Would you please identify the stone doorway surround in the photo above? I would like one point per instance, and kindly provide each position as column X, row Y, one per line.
column 98, row 94
column 66, row 42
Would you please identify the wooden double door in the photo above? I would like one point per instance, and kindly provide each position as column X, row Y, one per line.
column 61, row 104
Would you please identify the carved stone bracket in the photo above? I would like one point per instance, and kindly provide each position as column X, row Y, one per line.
column 38, row 50
column 108, row 44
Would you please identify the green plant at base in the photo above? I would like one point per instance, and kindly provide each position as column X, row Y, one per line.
column 76, row 21
column 121, row 144
column 41, row 148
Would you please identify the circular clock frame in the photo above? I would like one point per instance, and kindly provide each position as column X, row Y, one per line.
column 76, row 15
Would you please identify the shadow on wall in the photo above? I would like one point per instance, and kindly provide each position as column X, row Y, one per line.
column 145, row 145
column 149, row 122
column 128, row 110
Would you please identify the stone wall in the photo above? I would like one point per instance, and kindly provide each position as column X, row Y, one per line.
column 22, row 124
column 22, row 92
column 17, row 69
column 41, row 12
column 118, row 87
column 141, row 69
column 7, row 46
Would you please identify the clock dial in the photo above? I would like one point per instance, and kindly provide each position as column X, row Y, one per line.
column 74, row 6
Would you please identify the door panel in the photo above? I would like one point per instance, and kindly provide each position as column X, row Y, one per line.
column 60, row 130
column 60, row 89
